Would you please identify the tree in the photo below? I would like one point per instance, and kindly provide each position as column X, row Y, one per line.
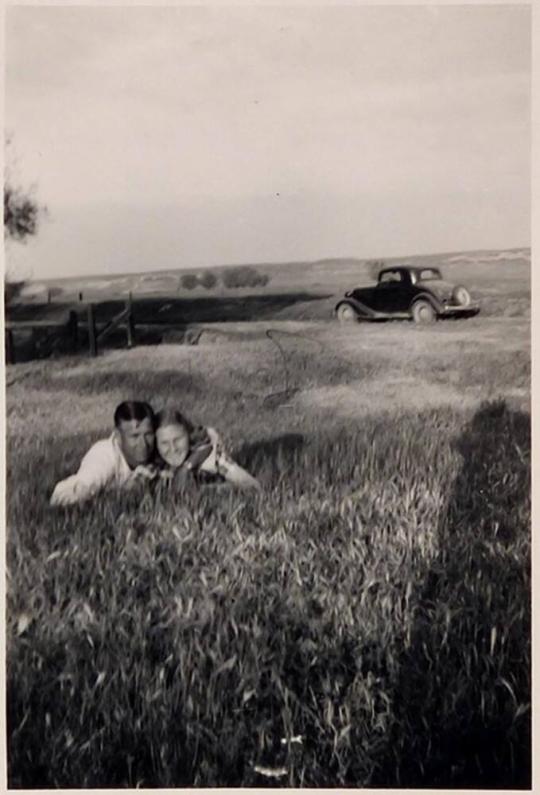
column 189, row 281
column 12, row 289
column 208, row 279
column 21, row 214
column 21, row 210
column 21, row 217
column 264, row 278
column 244, row 276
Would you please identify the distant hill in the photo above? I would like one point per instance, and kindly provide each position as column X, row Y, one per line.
column 319, row 275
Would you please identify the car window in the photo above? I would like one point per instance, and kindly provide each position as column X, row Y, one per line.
column 428, row 273
column 390, row 276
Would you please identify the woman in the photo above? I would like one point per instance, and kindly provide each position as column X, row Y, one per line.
column 184, row 447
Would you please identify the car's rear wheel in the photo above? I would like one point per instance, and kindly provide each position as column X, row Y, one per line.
column 346, row 314
column 423, row 313
column 461, row 296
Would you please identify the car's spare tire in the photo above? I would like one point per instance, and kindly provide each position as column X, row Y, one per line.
column 461, row 296
column 423, row 312
column 346, row 313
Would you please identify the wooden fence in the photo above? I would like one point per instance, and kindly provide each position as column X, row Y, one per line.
column 68, row 332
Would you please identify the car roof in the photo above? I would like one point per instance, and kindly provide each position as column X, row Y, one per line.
column 409, row 269
column 406, row 268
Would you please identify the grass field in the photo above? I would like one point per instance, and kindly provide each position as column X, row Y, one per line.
column 364, row 621
column 296, row 293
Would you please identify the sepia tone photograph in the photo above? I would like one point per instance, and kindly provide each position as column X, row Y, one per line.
column 267, row 321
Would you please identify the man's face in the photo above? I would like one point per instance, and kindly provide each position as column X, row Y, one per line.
column 137, row 439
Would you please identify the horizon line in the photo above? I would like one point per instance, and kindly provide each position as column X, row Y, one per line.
column 274, row 263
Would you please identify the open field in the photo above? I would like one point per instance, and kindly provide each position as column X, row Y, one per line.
column 304, row 285
column 303, row 292
column 364, row 621
column 324, row 275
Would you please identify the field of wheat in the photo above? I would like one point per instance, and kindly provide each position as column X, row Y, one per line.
column 365, row 621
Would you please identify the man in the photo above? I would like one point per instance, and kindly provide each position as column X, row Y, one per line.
column 121, row 460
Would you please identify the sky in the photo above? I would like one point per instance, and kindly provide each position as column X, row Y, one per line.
column 192, row 136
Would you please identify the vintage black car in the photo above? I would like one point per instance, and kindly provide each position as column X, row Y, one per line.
column 407, row 292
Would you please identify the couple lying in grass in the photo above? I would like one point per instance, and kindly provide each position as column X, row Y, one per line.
column 146, row 446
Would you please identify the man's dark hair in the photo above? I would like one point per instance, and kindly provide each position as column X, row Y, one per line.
column 133, row 410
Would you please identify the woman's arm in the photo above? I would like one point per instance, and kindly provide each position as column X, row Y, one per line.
column 221, row 463
column 234, row 473
column 200, row 448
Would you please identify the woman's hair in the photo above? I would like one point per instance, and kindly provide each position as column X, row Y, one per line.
column 170, row 416
column 133, row 410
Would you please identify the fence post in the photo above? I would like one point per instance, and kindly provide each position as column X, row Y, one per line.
column 33, row 344
column 92, row 341
column 130, row 326
column 80, row 297
column 73, row 330
column 10, row 347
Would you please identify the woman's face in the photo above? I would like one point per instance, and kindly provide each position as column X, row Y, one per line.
column 172, row 444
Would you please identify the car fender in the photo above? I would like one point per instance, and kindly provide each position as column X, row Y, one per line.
column 358, row 306
column 427, row 296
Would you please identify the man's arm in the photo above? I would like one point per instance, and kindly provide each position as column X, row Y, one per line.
column 95, row 472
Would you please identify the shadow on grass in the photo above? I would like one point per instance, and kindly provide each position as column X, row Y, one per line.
column 211, row 309
column 271, row 458
column 463, row 695
column 164, row 313
column 172, row 310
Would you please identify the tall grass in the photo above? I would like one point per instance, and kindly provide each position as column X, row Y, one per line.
column 365, row 621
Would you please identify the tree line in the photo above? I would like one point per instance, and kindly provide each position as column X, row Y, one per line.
column 231, row 278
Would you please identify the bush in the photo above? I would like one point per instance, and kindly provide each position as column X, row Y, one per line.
column 12, row 290
column 244, row 276
column 208, row 280
column 189, row 281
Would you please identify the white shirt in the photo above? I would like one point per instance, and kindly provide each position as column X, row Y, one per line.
column 103, row 465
